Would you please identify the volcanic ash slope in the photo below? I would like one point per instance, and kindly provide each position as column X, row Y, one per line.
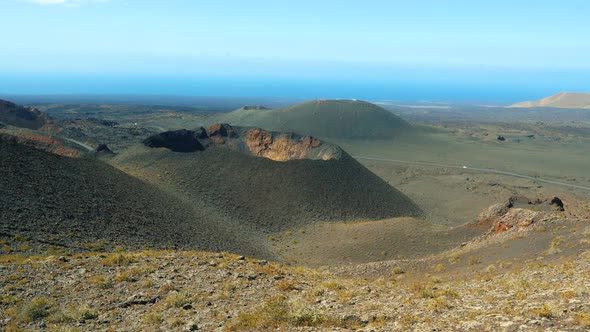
column 335, row 119
column 80, row 204
column 269, row 181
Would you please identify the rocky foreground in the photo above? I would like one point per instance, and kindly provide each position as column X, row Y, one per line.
column 189, row 291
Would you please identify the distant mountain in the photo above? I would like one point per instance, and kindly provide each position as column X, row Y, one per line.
column 560, row 100
column 341, row 119
column 25, row 117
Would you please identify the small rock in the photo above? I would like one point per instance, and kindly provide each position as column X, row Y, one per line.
column 192, row 326
column 506, row 324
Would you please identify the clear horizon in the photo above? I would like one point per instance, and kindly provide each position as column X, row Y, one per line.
column 501, row 51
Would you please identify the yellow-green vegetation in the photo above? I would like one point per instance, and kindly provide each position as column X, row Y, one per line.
column 95, row 246
column 36, row 309
column 583, row 319
column 246, row 294
column 118, row 259
column 72, row 314
column 554, row 245
column 178, row 299
column 544, row 311
column 101, row 281
column 455, row 258
column 438, row 268
column 278, row 312
column 20, row 238
column 152, row 318
column 286, row 285
column 474, row 260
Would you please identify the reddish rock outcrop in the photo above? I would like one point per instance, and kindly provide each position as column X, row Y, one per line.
column 252, row 141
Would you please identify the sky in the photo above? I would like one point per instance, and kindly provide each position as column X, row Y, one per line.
column 382, row 49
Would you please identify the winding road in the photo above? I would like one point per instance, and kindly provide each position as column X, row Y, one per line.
column 486, row 170
column 87, row 147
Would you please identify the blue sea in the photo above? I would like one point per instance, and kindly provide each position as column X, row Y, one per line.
column 494, row 91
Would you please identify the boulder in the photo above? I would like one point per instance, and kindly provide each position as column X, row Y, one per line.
column 557, row 203
column 221, row 129
column 103, row 150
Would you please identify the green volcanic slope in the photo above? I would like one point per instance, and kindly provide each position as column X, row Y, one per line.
column 70, row 203
column 340, row 119
column 265, row 194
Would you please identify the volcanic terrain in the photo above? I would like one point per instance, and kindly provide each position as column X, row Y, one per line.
column 340, row 119
column 270, row 181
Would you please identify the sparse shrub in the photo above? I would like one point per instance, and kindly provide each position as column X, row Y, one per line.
column 490, row 268
column 554, row 245
column 544, row 311
column 520, row 295
column 474, row 260
column 450, row 293
column 177, row 299
column 118, row 260
column 167, row 288
column 569, row 294
column 286, row 286
column 20, row 238
column 275, row 311
column 422, row 291
column 24, row 247
column 95, row 246
column 455, row 258
column 152, row 318
column 582, row 319
column 101, row 281
column 86, row 313
column 332, row 285
column 437, row 305
column 397, row 270
column 125, row 276
column 37, row 309
column 146, row 283
column 378, row 321
column 438, row 268
column 308, row 318
column 407, row 321
column 175, row 322
column 7, row 299
column 61, row 317
column 278, row 312
column 541, row 229
column 56, row 251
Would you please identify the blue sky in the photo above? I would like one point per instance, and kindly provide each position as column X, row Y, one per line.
column 539, row 46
